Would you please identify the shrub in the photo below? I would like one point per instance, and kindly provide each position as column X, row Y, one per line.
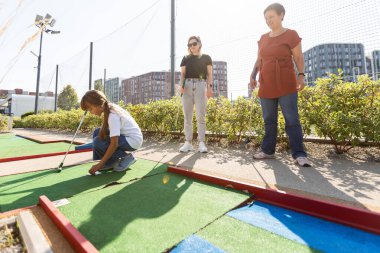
column 342, row 111
column 3, row 123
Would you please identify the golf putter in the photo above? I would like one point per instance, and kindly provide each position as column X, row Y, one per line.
column 59, row 169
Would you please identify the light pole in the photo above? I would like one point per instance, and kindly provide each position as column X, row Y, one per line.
column 172, row 48
column 42, row 23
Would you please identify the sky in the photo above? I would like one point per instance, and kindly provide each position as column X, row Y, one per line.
column 133, row 37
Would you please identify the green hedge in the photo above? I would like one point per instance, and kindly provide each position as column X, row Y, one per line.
column 3, row 123
column 344, row 112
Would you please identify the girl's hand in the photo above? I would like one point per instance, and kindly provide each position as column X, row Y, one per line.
column 182, row 90
column 300, row 83
column 95, row 168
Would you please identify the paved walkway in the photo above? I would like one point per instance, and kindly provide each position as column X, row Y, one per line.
column 354, row 183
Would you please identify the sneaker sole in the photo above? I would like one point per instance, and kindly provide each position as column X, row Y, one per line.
column 305, row 165
column 181, row 151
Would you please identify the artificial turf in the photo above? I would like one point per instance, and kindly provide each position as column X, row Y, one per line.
column 14, row 146
column 6, row 135
column 151, row 214
column 232, row 235
column 302, row 228
column 24, row 189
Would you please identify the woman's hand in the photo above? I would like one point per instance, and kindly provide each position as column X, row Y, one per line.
column 181, row 89
column 300, row 83
column 95, row 168
column 209, row 92
column 252, row 83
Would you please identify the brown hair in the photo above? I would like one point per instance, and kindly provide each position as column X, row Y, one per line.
column 198, row 40
column 97, row 98
column 278, row 8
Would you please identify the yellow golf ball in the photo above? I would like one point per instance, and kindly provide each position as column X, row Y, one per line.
column 165, row 179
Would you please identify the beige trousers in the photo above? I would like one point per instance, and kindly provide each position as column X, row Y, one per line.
column 195, row 93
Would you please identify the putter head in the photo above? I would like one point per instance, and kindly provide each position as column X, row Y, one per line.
column 59, row 169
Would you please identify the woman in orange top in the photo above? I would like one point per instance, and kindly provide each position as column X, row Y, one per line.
column 278, row 51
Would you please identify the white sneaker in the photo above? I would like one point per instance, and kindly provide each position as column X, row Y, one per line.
column 202, row 147
column 261, row 155
column 186, row 147
column 303, row 161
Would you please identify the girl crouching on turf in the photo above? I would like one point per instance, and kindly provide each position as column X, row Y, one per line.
column 119, row 133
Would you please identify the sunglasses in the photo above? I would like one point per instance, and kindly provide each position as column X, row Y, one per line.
column 192, row 44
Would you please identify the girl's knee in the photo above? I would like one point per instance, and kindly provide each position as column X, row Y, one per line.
column 96, row 142
column 96, row 133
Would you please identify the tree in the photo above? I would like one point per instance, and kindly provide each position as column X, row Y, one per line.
column 68, row 98
column 98, row 85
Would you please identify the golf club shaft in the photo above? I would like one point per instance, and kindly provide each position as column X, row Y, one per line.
column 80, row 124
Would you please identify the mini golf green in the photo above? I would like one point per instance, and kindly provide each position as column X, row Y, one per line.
column 14, row 146
column 151, row 214
column 24, row 189
column 4, row 136
column 147, row 210
column 150, row 210
column 233, row 235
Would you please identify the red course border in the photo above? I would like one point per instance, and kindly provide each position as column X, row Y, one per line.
column 74, row 237
column 346, row 215
column 19, row 158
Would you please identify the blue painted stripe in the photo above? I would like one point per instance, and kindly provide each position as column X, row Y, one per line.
column 314, row 232
column 195, row 243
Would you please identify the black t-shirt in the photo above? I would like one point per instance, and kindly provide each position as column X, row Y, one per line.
column 196, row 67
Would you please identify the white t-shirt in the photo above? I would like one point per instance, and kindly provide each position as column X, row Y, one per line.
column 120, row 122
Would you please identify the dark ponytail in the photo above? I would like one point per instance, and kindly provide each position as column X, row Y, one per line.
column 106, row 113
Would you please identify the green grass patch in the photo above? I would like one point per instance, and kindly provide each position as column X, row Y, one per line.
column 148, row 215
column 14, row 146
column 24, row 189
column 233, row 235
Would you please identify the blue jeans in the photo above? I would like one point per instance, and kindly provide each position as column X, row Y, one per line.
column 100, row 147
column 289, row 107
